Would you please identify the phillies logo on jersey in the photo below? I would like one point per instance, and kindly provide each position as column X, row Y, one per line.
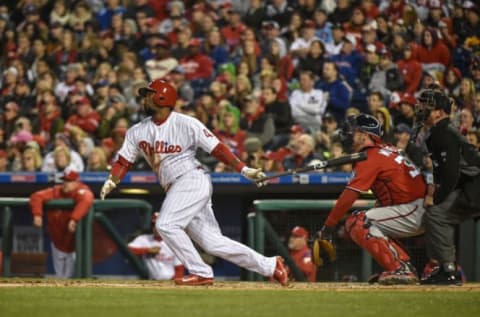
column 159, row 147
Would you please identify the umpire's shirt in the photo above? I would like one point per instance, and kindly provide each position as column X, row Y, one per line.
column 455, row 161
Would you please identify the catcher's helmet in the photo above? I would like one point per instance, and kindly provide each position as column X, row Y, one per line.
column 365, row 123
column 362, row 122
column 165, row 94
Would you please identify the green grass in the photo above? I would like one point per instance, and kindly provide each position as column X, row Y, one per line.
column 118, row 302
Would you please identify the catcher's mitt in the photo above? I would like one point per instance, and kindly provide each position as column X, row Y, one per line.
column 323, row 251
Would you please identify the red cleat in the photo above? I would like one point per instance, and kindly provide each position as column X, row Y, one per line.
column 280, row 274
column 194, row 280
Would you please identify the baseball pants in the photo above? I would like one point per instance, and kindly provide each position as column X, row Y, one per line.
column 63, row 262
column 399, row 221
column 187, row 213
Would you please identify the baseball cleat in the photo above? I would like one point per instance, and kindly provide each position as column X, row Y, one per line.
column 405, row 275
column 280, row 273
column 438, row 276
column 194, row 280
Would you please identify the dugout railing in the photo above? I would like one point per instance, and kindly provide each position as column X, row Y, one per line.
column 83, row 235
column 261, row 230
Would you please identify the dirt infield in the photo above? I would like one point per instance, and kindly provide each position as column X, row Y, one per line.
column 234, row 285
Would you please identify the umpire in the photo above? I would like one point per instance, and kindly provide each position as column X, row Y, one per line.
column 456, row 174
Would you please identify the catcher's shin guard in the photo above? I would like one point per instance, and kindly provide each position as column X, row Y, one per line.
column 385, row 251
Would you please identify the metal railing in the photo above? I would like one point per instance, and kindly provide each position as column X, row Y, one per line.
column 83, row 234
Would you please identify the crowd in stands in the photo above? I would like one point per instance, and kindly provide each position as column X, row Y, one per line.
column 272, row 79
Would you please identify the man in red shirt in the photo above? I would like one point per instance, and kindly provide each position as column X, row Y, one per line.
column 399, row 188
column 301, row 253
column 62, row 224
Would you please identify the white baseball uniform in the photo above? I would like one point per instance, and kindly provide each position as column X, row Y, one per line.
column 162, row 265
column 170, row 148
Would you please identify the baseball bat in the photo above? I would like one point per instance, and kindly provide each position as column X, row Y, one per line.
column 346, row 159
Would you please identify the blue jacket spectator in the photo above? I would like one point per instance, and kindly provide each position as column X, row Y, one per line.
column 339, row 91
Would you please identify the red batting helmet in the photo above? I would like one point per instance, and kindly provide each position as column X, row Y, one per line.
column 165, row 94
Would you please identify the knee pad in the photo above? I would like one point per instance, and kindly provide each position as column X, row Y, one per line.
column 388, row 253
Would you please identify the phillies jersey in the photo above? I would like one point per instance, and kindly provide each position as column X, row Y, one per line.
column 169, row 147
column 391, row 176
column 160, row 266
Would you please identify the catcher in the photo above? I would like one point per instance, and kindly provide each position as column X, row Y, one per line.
column 400, row 190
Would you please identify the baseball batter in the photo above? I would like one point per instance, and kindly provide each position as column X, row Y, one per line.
column 168, row 141
column 400, row 190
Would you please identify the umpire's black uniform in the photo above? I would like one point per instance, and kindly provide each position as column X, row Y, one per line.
column 456, row 173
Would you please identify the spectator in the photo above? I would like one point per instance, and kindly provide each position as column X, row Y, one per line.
column 255, row 14
column 97, row 160
column 160, row 261
column 402, row 140
column 407, row 110
column 301, row 253
column 281, row 153
column 62, row 224
column 281, row 114
column 303, row 153
column 255, row 121
column 198, row 67
column 384, row 117
column 228, row 130
column 314, row 59
column 452, row 77
column 308, row 104
column 466, row 121
column 411, row 70
column 301, row 46
column 32, row 159
column 466, row 94
column 375, row 101
column 337, row 90
column 162, row 63
column 387, row 79
column 86, row 118
column 4, row 162
column 7, row 120
column 432, row 52
column 280, row 11
column 62, row 144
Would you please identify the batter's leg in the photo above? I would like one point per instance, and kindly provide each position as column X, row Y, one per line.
column 184, row 200
column 204, row 230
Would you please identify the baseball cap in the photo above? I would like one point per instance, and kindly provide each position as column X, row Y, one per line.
column 328, row 116
column 270, row 24
column 299, row 231
column 70, row 176
column 297, row 129
column 308, row 24
column 408, row 99
column 195, row 42
column 403, row 128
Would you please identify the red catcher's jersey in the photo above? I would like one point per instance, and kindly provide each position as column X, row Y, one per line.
column 391, row 176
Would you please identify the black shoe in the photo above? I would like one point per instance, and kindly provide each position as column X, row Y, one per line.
column 441, row 277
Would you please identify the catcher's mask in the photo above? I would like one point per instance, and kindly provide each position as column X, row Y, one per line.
column 429, row 100
column 362, row 122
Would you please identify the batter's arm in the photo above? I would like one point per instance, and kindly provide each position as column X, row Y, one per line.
column 222, row 153
column 118, row 172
